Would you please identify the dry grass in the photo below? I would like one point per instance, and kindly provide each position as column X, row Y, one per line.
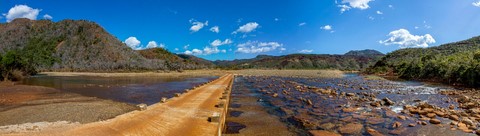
column 292, row 73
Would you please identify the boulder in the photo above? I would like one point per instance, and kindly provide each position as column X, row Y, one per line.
column 142, row 107
column 351, row 129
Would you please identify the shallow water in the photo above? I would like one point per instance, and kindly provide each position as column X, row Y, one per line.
column 133, row 90
column 303, row 110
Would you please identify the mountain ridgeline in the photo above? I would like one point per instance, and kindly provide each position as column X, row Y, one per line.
column 453, row 63
column 353, row 60
column 29, row 46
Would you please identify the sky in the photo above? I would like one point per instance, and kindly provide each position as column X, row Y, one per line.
column 227, row 29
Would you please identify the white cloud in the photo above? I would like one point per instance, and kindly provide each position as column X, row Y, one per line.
column 247, row 28
column 219, row 42
column 327, row 27
column 153, row 44
column 196, row 25
column 215, row 29
column 176, row 49
column 258, row 47
column 302, row 24
column 390, row 6
column 306, row 51
column 476, row 4
column 371, row 18
column 186, row 46
column 47, row 17
column 404, row 39
column 344, row 8
column 276, row 19
column 379, row 12
column 133, row 43
column 205, row 51
column 359, row 4
column 22, row 11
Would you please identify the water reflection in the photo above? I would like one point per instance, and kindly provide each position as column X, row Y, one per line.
column 132, row 90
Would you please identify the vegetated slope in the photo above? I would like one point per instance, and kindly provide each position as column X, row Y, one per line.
column 354, row 60
column 196, row 60
column 176, row 61
column 71, row 45
column 457, row 62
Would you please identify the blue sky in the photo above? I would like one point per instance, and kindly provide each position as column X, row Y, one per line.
column 275, row 27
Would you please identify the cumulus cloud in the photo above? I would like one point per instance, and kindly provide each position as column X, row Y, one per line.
column 186, row 46
column 196, row 25
column 22, row 11
column 302, row 24
column 247, row 28
column 306, row 51
column 133, row 43
column 258, row 47
column 47, row 17
column 215, row 29
column 205, row 51
column 379, row 12
column 153, row 44
column 476, row 4
column 327, row 27
column 359, row 4
column 219, row 42
column 404, row 39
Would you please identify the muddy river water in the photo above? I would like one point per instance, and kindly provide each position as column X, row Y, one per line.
column 351, row 105
column 133, row 90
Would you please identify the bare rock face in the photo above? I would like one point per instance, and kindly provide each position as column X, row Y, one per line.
column 350, row 129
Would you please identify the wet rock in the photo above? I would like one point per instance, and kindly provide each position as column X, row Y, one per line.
column 322, row 133
column 309, row 102
column 397, row 131
column 454, row 117
column 402, row 117
column 440, row 113
column 350, row 129
column 431, row 115
column 348, row 110
column 435, row 121
column 388, row 102
column 177, row 94
column 275, row 95
column 451, row 106
column 411, row 125
column 373, row 132
column 327, row 126
column 424, row 105
column 376, row 104
column 396, row 124
column 468, row 122
column 350, row 94
column 375, row 120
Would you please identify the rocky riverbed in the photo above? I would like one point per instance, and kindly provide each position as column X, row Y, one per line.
column 355, row 106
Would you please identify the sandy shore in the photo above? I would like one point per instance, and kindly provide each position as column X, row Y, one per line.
column 27, row 105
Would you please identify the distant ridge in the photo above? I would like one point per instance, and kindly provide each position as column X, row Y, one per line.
column 353, row 60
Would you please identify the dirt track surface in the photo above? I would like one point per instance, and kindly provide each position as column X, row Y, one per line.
column 186, row 115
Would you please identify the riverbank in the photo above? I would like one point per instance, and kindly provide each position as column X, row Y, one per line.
column 22, row 105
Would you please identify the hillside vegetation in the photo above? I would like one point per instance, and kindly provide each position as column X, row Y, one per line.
column 454, row 63
column 353, row 60
column 28, row 46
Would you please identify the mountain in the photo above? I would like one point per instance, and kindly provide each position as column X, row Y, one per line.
column 367, row 52
column 196, row 60
column 71, row 45
column 454, row 63
column 355, row 60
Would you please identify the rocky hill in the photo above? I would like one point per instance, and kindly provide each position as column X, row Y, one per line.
column 454, row 63
column 81, row 45
column 354, row 60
